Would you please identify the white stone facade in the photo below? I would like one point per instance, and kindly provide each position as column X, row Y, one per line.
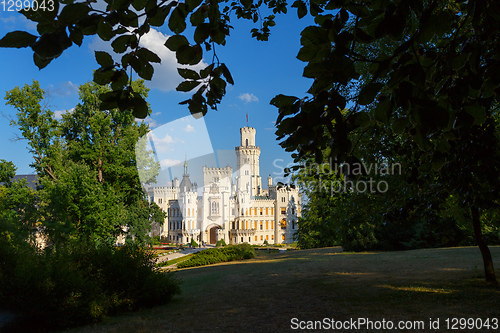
column 236, row 210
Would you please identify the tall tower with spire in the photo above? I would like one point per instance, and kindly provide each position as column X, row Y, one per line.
column 247, row 156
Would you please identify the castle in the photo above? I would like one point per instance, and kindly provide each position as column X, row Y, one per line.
column 235, row 210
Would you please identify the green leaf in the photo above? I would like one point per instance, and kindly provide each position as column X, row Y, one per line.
column 360, row 119
column 105, row 30
column 51, row 45
column 139, row 4
column 198, row 17
column 368, row 93
column 383, row 110
column 76, row 35
column 119, row 80
column 192, row 4
column 477, row 111
column 146, row 71
column 301, row 8
column 187, row 86
column 174, row 42
column 187, row 73
column 201, row 33
column 189, row 55
column 204, row 73
column 281, row 101
column 103, row 59
column 140, row 107
column 399, row 125
column 39, row 62
column 17, row 39
column 103, row 76
column 157, row 17
column 177, row 21
column 120, row 44
column 147, row 55
column 73, row 13
column 227, row 74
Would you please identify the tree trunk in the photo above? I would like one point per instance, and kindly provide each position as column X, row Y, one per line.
column 489, row 270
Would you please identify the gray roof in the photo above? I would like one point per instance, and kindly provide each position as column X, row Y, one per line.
column 31, row 179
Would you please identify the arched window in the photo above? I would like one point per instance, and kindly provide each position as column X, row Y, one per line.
column 283, row 224
column 247, row 142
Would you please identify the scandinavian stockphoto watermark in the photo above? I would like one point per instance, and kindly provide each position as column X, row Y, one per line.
column 333, row 177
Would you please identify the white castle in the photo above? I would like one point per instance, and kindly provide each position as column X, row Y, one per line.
column 238, row 211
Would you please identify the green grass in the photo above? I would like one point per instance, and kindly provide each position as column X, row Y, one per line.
column 263, row 294
column 178, row 260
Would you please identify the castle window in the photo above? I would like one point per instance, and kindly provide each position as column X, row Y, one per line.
column 261, row 237
column 267, row 237
column 272, row 237
column 215, row 208
column 255, row 238
column 267, row 211
column 242, row 213
column 283, row 237
column 283, row 210
column 272, row 211
column 283, row 224
column 261, row 225
column 261, row 211
column 293, row 210
column 272, row 225
column 246, row 142
column 293, row 224
column 267, row 225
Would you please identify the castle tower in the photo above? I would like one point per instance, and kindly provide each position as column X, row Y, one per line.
column 247, row 156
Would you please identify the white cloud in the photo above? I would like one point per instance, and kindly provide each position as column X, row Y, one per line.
column 63, row 89
column 248, row 97
column 150, row 121
column 58, row 114
column 162, row 145
column 168, row 163
column 189, row 128
column 165, row 76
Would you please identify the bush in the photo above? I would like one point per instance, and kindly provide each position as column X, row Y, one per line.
column 156, row 240
column 162, row 263
column 78, row 284
column 193, row 243
column 214, row 256
column 220, row 242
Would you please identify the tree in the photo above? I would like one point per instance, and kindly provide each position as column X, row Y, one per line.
column 86, row 163
column 437, row 81
column 17, row 207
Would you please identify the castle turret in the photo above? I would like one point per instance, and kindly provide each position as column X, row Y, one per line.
column 248, row 162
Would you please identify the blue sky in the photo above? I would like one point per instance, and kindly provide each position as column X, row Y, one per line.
column 260, row 70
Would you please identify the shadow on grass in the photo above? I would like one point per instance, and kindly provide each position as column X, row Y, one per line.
column 265, row 293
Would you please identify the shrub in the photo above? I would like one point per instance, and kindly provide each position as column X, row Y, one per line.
column 78, row 284
column 214, row 256
column 193, row 243
column 220, row 242
column 156, row 240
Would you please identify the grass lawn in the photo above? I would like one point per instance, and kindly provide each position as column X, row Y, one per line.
column 263, row 294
